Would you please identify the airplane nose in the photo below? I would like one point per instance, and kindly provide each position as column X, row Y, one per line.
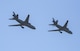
column 70, row 32
column 34, row 28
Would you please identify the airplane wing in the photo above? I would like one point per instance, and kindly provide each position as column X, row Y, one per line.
column 16, row 25
column 54, row 30
column 65, row 25
column 27, row 19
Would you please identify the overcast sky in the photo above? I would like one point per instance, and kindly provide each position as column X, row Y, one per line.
column 41, row 14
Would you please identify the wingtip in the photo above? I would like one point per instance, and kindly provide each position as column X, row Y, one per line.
column 28, row 15
column 67, row 20
column 34, row 28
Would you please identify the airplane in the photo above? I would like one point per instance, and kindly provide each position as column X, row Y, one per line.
column 21, row 22
column 61, row 28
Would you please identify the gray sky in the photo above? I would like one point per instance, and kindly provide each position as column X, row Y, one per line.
column 41, row 14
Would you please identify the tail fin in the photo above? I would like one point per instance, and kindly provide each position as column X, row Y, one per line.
column 55, row 22
column 15, row 16
column 13, row 13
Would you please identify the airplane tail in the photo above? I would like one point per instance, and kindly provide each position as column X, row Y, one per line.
column 15, row 16
column 54, row 22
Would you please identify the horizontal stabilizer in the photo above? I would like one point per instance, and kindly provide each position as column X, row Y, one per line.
column 51, row 24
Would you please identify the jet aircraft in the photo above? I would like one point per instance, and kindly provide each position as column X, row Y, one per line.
column 60, row 28
column 21, row 22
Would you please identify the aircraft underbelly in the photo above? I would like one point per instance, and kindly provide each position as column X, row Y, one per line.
column 30, row 26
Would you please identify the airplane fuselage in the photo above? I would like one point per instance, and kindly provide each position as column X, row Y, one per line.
column 63, row 29
column 25, row 24
column 19, row 21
